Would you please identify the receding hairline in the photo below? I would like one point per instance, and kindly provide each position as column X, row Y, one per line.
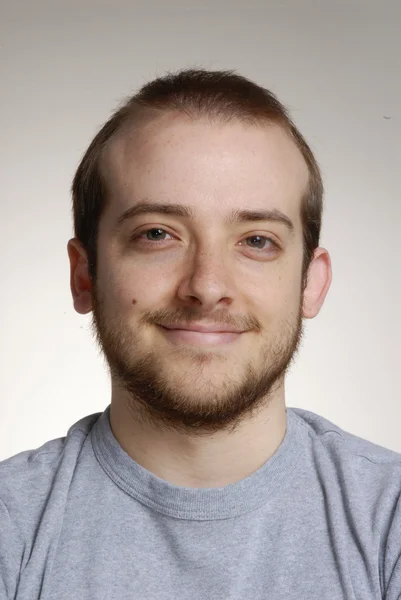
column 151, row 115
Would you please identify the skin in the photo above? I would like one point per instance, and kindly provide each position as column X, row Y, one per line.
column 195, row 414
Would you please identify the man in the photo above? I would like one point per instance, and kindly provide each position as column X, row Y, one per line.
column 197, row 214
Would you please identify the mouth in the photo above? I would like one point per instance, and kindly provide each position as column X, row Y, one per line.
column 200, row 338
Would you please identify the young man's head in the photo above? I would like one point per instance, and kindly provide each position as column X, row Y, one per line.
column 199, row 204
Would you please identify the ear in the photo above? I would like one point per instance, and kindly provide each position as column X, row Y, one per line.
column 318, row 283
column 80, row 282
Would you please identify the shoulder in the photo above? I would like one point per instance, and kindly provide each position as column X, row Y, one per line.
column 27, row 477
column 362, row 478
column 359, row 463
column 341, row 444
column 27, row 480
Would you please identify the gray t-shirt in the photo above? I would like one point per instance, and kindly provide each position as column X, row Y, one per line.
column 320, row 520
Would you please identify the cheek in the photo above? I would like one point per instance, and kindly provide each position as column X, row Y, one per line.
column 144, row 291
column 117, row 292
column 275, row 302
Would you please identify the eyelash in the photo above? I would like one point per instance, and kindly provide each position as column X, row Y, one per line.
column 136, row 237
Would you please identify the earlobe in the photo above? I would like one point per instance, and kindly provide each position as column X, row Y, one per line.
column 319, row 280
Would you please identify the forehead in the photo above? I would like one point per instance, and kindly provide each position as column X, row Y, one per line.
column 212, row 166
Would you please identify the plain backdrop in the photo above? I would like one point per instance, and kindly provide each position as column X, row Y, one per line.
column 65, row 67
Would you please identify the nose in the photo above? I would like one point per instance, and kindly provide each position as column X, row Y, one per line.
column 207, row 281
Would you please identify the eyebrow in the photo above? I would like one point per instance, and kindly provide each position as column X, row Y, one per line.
column 178, row 210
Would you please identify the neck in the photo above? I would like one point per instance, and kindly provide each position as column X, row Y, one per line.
column 215, row 460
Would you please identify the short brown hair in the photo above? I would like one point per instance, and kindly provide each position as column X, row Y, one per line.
column 223, row 95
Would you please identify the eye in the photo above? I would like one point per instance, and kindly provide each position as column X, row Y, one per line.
column 156, row 235
column 147, row 235
column 261, row 242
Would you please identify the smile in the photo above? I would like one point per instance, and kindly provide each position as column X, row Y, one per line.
column 200, row 338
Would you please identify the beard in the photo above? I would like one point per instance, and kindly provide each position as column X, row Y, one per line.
column 179, row 387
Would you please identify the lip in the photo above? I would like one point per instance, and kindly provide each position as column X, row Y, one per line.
column 203, row 328
column 200, row 338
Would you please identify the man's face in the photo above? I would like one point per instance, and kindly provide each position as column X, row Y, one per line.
column 159, row 269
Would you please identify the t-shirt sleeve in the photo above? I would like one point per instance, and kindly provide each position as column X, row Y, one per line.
column 11, row 551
